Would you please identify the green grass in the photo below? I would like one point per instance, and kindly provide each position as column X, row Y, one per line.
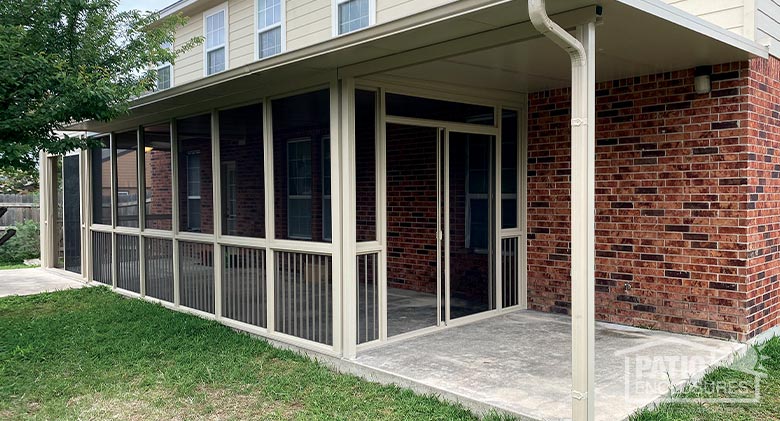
column 768, row 407
column 89, row 353
column 4, row 266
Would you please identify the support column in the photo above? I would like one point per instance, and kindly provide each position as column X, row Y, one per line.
column 216, row 192
column 141, row 163
column 582, row 53
column 583, row 227
column 348, row 218
column 44, row 204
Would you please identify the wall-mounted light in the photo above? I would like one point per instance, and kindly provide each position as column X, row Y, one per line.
column 701, row 81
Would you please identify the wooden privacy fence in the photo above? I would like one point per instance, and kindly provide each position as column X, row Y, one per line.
column 21, row 207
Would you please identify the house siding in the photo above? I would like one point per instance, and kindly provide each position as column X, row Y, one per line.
column 768, row 24
column 728, row 14
column 189, row 66
column 685, row 212
column 389, row 10
column 242, row 29
column 308, row 22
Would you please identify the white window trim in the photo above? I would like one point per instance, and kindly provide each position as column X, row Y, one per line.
column 157, row 82
column 335, row 17
column 190, row 196
column 162, row 66
column 310, row 196
column 259, row 30
column 222, row 7
column 229, row 196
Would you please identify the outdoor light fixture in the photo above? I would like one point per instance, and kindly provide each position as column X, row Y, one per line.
column 701, row 81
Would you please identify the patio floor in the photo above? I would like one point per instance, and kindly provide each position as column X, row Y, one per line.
column 33, row 281
column 520, row 363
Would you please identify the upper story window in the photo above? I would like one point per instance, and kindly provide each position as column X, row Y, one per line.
column 216, row 40
column 165, row 72
column 352, row 15
column 269, row 27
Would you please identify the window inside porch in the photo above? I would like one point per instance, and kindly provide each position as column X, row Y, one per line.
column 301, row 145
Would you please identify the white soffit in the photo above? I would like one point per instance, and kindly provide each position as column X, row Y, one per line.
column 630, row 42
column 467, row 42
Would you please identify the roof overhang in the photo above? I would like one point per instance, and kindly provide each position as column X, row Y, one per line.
column 479, row 43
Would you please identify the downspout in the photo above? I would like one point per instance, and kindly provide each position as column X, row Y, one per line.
column 582, row 54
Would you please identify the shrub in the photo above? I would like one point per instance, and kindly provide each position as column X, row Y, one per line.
column 26, row 244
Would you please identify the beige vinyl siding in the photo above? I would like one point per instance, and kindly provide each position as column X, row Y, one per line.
column 189, row 66
column 242, row 29
column 768, row 25
column 308, row 22
column 728, row 14
column 389, row 10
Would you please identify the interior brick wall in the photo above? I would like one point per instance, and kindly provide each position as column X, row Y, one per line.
column 365, row 177
column 411, row 208
column 247, row 157
column 675, row 178
column 203, row 145
column 281, row 139
column 159, row 189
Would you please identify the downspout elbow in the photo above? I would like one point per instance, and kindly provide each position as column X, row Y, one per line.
column 537, row 11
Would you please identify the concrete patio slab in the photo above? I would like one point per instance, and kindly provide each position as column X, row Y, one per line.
column 33, row 281
column 520, row 363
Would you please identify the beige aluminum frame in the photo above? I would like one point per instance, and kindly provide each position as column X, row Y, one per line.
column 343, row 248
column 498, row 101
column 269, row 244
column 47, row 208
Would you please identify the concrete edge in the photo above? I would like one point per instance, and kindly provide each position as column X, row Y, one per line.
column 695, row 378
column 765, row 336
column 374, row 375
column 480, row 408
column 65, row 274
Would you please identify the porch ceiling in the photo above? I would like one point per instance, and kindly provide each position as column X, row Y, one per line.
column 475, row 43
column 629, row 41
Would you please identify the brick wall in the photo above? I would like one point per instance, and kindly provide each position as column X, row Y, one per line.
column 672, row 199
column 365, row 174
column 241, row 149
column 411, row 216
column 281, row 138
column 202, row 146
column 411, row 208
column 159, row 189
column 763, row 206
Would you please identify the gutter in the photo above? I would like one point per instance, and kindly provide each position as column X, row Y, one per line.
column 583, row 140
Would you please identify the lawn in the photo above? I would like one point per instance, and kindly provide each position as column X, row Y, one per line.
column 4, row 266
column 712, row 386
column 90, row 354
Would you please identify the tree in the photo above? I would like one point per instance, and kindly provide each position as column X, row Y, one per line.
column 64, row 61
column 16, row 181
